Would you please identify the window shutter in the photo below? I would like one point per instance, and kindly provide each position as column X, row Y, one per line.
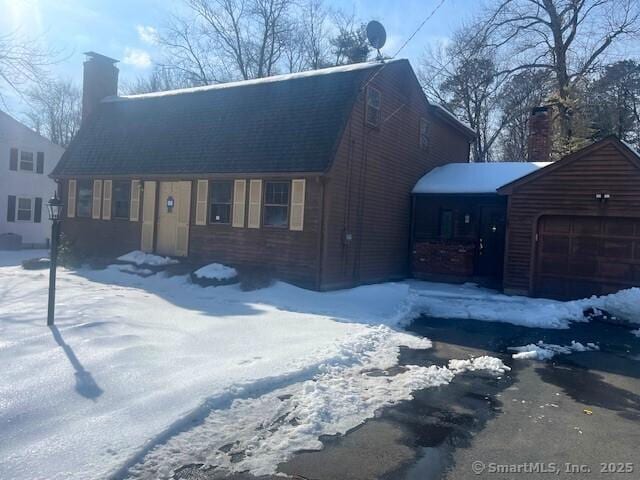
column 71, row 198
column 37, row 212
column 13, row 159
column 255, row 200
column 297, row 204
column 107, row 188
column 201, row 202
column 182, row 227
column 134, row 206
column 239, row 199
column 40, row 162
column 11, row 208
column 97, row 199
column 148, row 217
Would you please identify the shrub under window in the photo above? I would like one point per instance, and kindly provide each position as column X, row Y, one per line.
column 84, row 198
column 121, row 199
column 276, row 204
column 221, row 200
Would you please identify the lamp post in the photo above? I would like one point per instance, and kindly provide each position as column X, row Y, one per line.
column 55, row 214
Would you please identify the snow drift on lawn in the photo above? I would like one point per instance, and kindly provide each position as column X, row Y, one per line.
column 134, row 363
column 140, row 258
column 216, row 271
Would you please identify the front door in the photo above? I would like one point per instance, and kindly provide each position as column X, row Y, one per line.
column 174, row 206
column 490, row 260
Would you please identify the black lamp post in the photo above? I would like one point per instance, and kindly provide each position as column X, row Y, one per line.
column 55, row 214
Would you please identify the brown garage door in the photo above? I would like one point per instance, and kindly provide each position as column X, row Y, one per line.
column 583, row 256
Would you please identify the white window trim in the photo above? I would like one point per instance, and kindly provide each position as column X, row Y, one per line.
column 378, row 108
column 33, row 161
column 31, row 208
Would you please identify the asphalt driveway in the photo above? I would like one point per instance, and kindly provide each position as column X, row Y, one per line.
column 576, row 416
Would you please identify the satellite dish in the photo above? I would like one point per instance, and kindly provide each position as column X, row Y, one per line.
column 376, row 35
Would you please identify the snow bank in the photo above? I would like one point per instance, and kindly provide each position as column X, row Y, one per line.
column 490, row 364
column 636, row 332
column 625, row 304
column 546, row 351
column 469, row 301
column 140, row 258
column 216, row 271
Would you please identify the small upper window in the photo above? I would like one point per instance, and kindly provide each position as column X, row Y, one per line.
column 373, row 107
column 84, row 198
column 121, row 199
column 424, row 134
column 221, row 200
column 276, row 204
column 446, row 224
column 26, row 161
column 24, row 209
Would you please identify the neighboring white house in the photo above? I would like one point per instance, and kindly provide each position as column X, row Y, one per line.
column 26, row 159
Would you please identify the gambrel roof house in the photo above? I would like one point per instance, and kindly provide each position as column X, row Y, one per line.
column 307, row 175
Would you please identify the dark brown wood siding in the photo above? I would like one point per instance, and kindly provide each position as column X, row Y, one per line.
column 290, row 255
column 369, row 185
column 568, row 190
column 99, row 238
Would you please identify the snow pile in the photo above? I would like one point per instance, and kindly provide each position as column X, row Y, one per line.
column 546, row 351
column 636, row 332
column 624, row 304
column 468, row 301
column 216, row 271
column 145, row 272
column 140, row 258
column 490, row 364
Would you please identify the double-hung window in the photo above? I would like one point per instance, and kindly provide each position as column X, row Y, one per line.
column 221, row 199
column 26, row 161
column 373, row 107
column 276, row 204
column 121, row 199
column 24, row 210
column 84, row 198
column 424, row 134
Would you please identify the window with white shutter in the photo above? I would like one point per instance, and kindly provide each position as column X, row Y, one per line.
column 296, row 221
column 255, row 203
column 201, row 202
column 71, row 198
column 239, row 200
column 106, row 199
column 97, row 199
column 134, row 210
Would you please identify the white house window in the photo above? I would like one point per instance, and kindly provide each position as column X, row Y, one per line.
column 276, row 204
column 25, row 210
column 26, row 161
column 424, row 134
column 221, row 201
column 373, row 107
column 84, row 198
column 121, row 197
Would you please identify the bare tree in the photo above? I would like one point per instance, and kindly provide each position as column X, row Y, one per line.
column 23, row 61
column 350, row 45
column 568, row 38
column 55, row 110
column 160, row 79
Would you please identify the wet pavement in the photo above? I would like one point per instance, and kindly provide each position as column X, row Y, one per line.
column 529, row 423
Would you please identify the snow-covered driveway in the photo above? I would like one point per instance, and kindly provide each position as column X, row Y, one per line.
column 141, row 376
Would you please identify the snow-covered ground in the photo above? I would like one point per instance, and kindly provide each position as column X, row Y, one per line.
column 143, row 375
column 546, row 351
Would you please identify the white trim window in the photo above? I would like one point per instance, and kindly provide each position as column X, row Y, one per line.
column 24, row 209
column 374, row 102
column 27, row 162
column 424, row 134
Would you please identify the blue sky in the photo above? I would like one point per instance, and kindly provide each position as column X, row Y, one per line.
column 121, row 28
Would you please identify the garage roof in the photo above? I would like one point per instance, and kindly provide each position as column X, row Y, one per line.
column 474, row 177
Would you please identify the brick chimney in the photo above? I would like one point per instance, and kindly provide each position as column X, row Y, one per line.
column 100, row 80
column 539, row 148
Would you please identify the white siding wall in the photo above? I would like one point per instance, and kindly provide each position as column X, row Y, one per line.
column 24, row 183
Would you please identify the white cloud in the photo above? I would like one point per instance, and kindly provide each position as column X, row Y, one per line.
column 136, row 57
column 147, row 34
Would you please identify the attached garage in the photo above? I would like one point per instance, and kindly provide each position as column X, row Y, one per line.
column 573, row 228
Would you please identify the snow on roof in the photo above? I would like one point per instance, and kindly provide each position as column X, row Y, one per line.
column 474, row 177
column 256, row 81
column 631, row 147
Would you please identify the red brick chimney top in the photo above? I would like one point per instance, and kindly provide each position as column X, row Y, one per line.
column 539, row 147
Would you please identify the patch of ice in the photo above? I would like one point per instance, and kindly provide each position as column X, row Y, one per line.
column 546, row 351
column 491, row 364
column 140, row 258
column 216, row 271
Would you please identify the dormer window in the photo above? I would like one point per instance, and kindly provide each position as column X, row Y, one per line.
column 424, row 134
column 374, row 99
